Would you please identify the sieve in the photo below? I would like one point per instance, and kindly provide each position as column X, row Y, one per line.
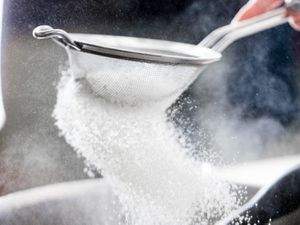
column 134, row 71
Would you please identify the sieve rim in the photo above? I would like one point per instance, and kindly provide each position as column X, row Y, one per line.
column 143, row 49
column 130, row 48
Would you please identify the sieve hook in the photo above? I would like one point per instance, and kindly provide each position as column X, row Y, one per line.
column 60, row 36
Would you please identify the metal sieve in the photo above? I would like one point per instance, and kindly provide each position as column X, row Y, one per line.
column 137, row 70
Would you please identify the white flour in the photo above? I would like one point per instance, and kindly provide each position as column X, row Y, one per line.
column 132, row 82
column 138, row 152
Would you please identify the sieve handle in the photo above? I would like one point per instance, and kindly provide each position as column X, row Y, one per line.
column 222, row 37
column 58, row 35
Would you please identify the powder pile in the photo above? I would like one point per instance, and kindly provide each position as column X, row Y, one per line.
column 138, row 152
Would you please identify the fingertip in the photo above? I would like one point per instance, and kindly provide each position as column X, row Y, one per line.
column 256, row 7
column 246, row 12
column 295, row 25
column 294, row 19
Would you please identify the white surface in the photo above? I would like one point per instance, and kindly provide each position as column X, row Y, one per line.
column 81, row 202
column 49, row 193
column 259, row 173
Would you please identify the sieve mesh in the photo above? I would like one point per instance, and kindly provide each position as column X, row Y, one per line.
column 129, row 81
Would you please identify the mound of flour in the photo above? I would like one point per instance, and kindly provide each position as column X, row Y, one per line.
column 138, row 152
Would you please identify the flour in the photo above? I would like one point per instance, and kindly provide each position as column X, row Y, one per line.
column 136, row 149
column 132, row 82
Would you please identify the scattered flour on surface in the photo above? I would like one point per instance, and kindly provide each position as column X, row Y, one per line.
column 137, row 151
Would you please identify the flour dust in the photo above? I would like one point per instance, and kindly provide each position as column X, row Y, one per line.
column 138, row 152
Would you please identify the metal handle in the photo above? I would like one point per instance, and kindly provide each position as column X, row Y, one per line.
column 60, row 36
column 293, row 5
column 222, row 37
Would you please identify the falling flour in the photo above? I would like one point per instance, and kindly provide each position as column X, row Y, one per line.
column 137, row 150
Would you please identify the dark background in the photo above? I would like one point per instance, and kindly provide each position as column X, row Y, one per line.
column 262, row 81
column 184, row 21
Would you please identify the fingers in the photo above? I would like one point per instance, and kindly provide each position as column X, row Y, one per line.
column 255, row 8
column 268, row 5
column 247, row 11
column 294, row 19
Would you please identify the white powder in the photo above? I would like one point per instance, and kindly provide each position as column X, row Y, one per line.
column 132, row 82
column 138, row 152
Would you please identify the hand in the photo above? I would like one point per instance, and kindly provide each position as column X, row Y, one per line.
column 257, row 7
